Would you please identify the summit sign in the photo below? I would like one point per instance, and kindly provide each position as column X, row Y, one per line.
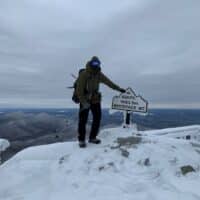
column 129, row 101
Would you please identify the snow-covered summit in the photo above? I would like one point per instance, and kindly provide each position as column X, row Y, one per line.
column 127, row 165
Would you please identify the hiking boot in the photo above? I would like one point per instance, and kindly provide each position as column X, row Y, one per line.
column 82, row 144
column 95, row 141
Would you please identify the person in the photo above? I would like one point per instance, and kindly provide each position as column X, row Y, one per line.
column 90, row 99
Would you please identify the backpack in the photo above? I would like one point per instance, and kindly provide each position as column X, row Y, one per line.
column 75, row 98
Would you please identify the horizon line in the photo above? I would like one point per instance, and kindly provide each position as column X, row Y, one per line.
column 64, row 108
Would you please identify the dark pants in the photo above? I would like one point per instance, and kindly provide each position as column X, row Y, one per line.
column 83, row 117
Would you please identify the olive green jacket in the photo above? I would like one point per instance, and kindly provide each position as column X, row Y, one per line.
column 87, row 85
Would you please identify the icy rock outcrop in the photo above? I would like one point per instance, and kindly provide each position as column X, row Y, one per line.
column 4, row 144
column 187, row 169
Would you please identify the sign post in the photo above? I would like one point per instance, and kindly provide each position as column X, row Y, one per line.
column 128, row 118
column 129, row 102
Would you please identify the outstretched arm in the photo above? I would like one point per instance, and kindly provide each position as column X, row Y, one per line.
column 104, row 79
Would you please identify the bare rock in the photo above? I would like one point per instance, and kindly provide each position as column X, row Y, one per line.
column 187, row 169
column 147, row 162
column 124, row 152
column 129, row 141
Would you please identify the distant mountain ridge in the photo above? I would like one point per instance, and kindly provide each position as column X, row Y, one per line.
column 29, row 127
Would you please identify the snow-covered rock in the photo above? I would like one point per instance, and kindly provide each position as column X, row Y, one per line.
column 4, row 144
column 151, row 169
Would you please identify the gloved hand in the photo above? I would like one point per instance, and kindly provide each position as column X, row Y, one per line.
column 122, row 90
column 85, row 106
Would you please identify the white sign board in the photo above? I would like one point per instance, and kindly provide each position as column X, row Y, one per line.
column 129, row 101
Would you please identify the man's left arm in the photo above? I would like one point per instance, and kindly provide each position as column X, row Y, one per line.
column 104, row 79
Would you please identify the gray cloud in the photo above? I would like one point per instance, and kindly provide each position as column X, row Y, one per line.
column 152, row 46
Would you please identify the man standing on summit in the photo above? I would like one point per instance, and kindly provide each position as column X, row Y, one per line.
column 90, row 99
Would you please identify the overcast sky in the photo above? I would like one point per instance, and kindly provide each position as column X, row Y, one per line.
column 152, row 46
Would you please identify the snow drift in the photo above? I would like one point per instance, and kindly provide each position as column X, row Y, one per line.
column 127, row 165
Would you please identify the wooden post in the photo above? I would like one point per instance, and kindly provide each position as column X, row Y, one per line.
column 127, row 119
column 0, row 158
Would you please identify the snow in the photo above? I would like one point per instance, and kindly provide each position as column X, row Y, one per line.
column 181, row 132
column 4, row 144
column 64, row 171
